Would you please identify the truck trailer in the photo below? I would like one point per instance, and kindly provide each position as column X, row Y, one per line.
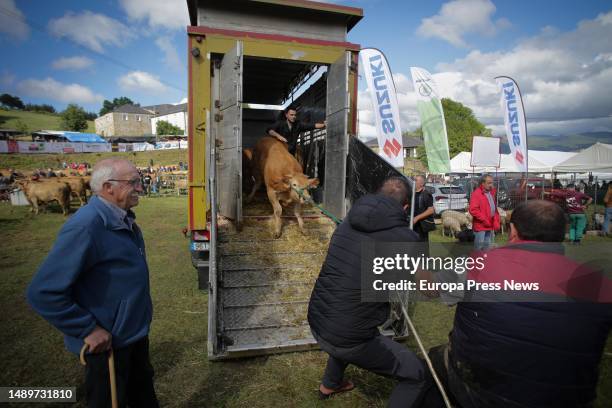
column 248, row 60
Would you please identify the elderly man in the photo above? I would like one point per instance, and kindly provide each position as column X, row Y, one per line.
column 94, row 288
column 345, row 327
column 530, row 348
column 484, row 212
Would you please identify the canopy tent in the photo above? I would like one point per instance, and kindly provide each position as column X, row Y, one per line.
column 597, row 158
column 539, row 162
column 65, row 136
column 550, row 158
column 83, row 137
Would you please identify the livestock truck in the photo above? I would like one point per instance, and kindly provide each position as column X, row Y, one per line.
column 248, row 59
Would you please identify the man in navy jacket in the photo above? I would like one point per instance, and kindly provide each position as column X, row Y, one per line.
column 537, row 348
column 347, row 328
column 94, row 288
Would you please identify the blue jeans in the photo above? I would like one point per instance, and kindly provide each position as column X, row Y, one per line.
column 483, row 239
column 606, row 224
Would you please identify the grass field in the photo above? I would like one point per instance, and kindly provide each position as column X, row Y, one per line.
column 35, row 121
column 33, row 354
column 44, row 161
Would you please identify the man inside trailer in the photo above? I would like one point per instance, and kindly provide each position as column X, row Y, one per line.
column 288, row 129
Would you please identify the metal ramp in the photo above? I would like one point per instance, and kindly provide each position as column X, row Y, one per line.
column 264, row 284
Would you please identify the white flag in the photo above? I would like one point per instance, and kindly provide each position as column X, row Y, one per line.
column 514, row 119
column 386, row 109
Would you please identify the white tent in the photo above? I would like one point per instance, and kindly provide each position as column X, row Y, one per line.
column 597, row 158
column 550, row 158
column 539, row 162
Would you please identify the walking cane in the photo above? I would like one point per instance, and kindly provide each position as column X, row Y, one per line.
column 111, row 373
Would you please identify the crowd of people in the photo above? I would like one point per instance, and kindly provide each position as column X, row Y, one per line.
column 502, row 354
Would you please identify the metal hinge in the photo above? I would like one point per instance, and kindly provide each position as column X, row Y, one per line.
column 217, row 103
column 218, row 117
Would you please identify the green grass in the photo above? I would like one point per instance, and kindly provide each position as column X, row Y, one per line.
column 35, row 121
column 33, row 354
column 43, row 161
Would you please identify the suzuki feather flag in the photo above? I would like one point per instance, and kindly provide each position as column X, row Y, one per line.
column 514, row 119
column 430, row 111
column 384, row 100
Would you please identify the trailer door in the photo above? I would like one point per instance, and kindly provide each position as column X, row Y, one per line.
column 230, row 135
column 336, row 139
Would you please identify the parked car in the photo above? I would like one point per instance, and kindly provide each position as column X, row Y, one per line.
column 447, row 197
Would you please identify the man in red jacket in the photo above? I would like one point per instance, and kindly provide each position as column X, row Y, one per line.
column 484, row 212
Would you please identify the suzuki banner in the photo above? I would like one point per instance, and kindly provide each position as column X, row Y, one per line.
column 384, row 101
column 430, row 111
column 514, row 119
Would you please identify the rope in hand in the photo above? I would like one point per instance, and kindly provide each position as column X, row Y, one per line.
column 111, row 372
column 300, row 192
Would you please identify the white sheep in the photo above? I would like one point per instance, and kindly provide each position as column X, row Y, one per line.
column 454, row 221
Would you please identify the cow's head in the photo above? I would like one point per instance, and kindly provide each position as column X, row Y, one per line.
column 299, row 185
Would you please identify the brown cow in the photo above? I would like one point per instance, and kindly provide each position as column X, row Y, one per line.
column 78, row 188
column 38, row 193
column 283, row 175
column 247, row 169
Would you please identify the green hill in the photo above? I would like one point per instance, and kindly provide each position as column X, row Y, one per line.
column 35, row 120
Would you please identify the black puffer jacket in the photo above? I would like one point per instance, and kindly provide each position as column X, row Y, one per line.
column 336, row 312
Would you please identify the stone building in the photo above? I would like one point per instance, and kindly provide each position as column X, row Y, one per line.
column 125, row 120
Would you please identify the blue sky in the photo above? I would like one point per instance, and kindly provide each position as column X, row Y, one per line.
column 66, row 51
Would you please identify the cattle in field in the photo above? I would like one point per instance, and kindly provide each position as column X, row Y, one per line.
column 41, row 193
column 86, row 179
column 78, row 188
column 283, row 177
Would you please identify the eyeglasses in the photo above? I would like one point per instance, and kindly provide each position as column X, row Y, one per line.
column 132, row 182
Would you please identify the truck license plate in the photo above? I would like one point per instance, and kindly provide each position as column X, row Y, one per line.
column 200, row 246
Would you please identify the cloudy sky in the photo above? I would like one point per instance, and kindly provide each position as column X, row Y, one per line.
column 560, row 53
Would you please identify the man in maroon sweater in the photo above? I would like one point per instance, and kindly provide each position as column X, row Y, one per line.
column 575, row 204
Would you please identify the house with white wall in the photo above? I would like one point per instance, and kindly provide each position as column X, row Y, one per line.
column 174, row 114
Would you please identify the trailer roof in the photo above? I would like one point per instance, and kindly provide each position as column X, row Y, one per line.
column 353, row 14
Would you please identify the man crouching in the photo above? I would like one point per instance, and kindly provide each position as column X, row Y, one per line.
column 345, row 327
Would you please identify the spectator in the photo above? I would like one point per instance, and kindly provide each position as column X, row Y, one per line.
column 147, row 184
column 608, row 215
column 423, row 210
column 541, row 353
column 51, row 173
column 575, row 204
column 94, row 288
column 484, row 212
column 346, row 328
